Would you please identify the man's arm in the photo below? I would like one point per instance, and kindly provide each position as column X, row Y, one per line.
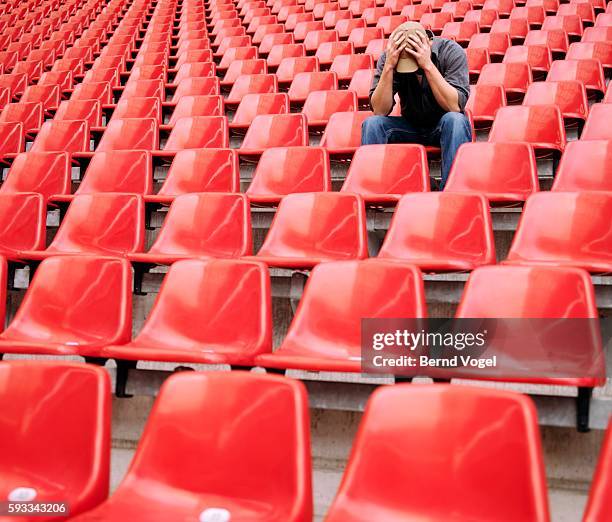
column 445, row 94
column 381, row 98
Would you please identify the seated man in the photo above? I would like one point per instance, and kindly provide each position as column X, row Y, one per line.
column 431, row 77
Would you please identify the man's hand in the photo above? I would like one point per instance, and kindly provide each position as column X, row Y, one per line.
column 394, row 49
column 419, row 46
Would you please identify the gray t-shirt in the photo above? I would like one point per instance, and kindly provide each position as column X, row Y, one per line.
column 418, row 103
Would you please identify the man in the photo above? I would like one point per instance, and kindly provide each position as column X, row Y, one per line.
column 430, row 75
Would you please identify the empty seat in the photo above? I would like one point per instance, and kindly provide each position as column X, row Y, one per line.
column 320, row 105
column 555, row 39
column 601, row 51
column 539, row 125
column 196, row 86
column 275, row 130
column 327, row 51
column 30, row 114
column 127, row 171
column 200, row 170
column 251, row 84
column 198, row 132
column 73, row 304
column 12, row 138
column 23, row 218
column 46, row 173
column 193, row 70
column 599, row 507
column 88, row 110
column 281, row 51
column 538, row 57
column 325, row 334
column 93, row 91
column 361, row 82
column 306, row 82
column 102, row 224
column 462, row 420
column 585, row 165
column 343, row 132
column 130, row 134
column 253, row 105
column 73, row 462
column 238, row 54
column 144, row 89
column 345, row 66
column 441, row 231
column 291, row 66
column 240, row 67
column 383, row 173
column 137, row 107
column 275, row 465
column 542, row 236
column 197, row 106
column 223, row 229
column 484, row 101
column 310, row 228
column 503, row 172
column 48, row 95
column 570, row 96
column 495, row 43
column 597, row 125
column 289, row 170
column 513, row 77
column 62, row 136
column 361, row 36
column 589, row 72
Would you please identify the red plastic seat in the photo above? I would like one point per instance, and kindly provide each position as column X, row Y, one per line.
column 320, row 105
column 74, row 461
column 244, row 67
column 279, row 52
column 62, row 136
column 361, row 82
column 137, row 107
column 229, row 41
column 483, row 17
column 314, row 39
column 462, row 420
column 264, row 30
column 30, row 114
column 126, row 171
column 534, row 15
column 199, row 55
column 198, row 132
column 599, row 507
column 48, row 95
column 327, row 51
column 46, row 173
column 345, row 66
column 144, row 89
column 389, row 23
column 484, row 101
column 361, row 36
column 275, row 465
column 100, row 91
column 275, row 130
column 515, row 28
column 555, row 39
column 289, row 170
column 539, row 125
column 371, row 15
column 542, row 235
column 538, row 57
column 306, row 82
column 238, row 54
column 289, row 68
column 223, row 229
column 310, row 228
column 601, row 51
column 271, row 40
column 500, row 171
column 304, row 26
column 110, row 75
column 253, row 105
column 597, row 126
column 435, row 21
column 343, row 132
column 589, row 72
column 196, row 86
column 73, row 304
column 585, row 165
column 571, row 24
column 597, row 34
column 514, row 77
column 462, row 238
column 197, row 106
column 346, row 26
column 461, row 32
column 101, row 224
column 194, row 70
column 130, row 134
column 22, row 224
column 477, row 58
column 495, row 43
column 570, row 96
column 325, row 334
column 87, row 110
column 381, row 174
column 251, row 84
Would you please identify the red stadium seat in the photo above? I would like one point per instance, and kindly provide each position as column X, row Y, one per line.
column 447, row 247
column 62, row 136
column 345, row 66
column 584, row 10
column 500, row 424
column 275, row 466
column 435, row 21
column 223, row 229
column 130, row 134
column 199, row 170
column 327, row 51
column 290, row 67
column 197, row 106
column 555, row 39
column 571, row 24
column 599, row 507
column 502, row 172
column 126, row 171
column 279, row 52
column 483, row 17
column 269, row 41
column 243, row 67
column 335, row 231
column 253, row 105
column 597, row 34
column 22, row 224
column 381, row 174
column 495, row 43
column 46, row 173
column 550, row 6
column 229, row 41
column 198, row 132
column 73, row 304
column 371, row 15
column 569, row 96
column 88, row 110
column 93, row 91
column 601, row 51
column 275, row 130
column 589, row 72
column 533, row 14
column 477, row 58
column 48, row 95
column 515, row 28
column 306, row 82
column 461, row 32
column 538, row 57
column 320, row 105
column 75, row 422
column 252, row 84
column 503, row 7
column 484, row 101
column 360, row 37
column 346, row 26
column 196, row 86
column 102, row 224
column 289, row 170
column 30, row 114
column 138, row 107
column 325, row 334
column 314, row 39
column 193, row 70
column 597, row 125
column 513, row 77
column 343, row 132
column 144, row 89
column 542, row 238
column 539, row 125
column 585, row 165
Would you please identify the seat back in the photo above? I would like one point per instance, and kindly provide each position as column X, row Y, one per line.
column 47, row 173
column 276, row 130
column 23, row 218
column 343, row 131
column 569, row 95
column 128, row 171
column 459, row 420
column 88, row 110
column 320, row 105
column 253, row 105
column 198, row 132
column 62, row 136
column 130, row 134
column 585, row 165
column 28, row 113
column 12, row 138
column 599, row 505
column 138, row 107
column 197, row 106
column 596, row 127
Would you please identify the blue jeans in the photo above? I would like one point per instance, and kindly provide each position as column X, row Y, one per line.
column 452, row 130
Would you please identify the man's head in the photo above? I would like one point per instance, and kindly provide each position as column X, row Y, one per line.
column 407, row 63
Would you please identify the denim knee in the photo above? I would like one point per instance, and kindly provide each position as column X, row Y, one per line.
column 373, row 130
column 456, row 123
